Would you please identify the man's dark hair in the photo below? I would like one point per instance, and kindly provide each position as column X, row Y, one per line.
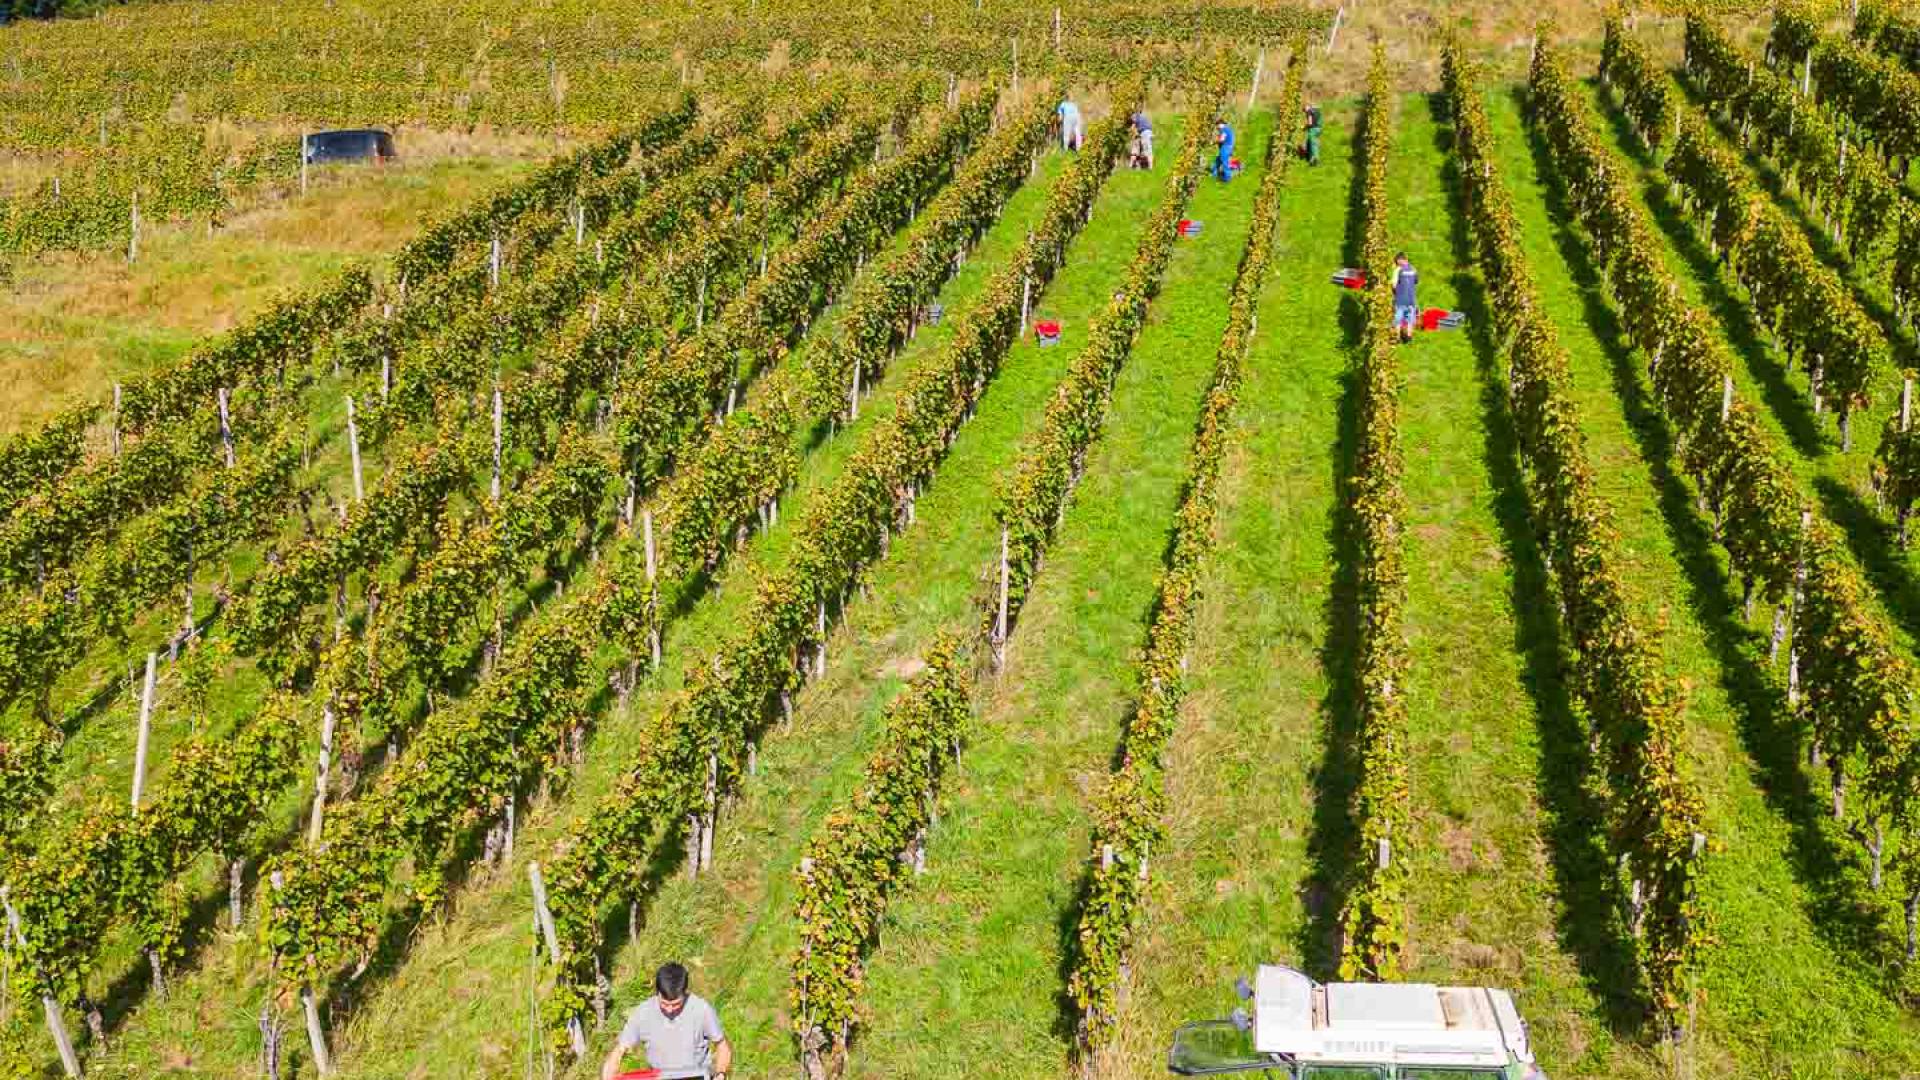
column 670, row 982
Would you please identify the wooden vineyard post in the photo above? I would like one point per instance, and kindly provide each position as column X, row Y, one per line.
column 316, row 1032
column 226, row 425
column 544, row 916
column 1906, row 403
column 116, row 420
column 353, row 447
column 56, row 1023
column 1799, row 587
column 310, row 1009
column 236, row 877
column 653, row 629
column 186, row 591
column 133, row 234
column 713, row 811
column 1056, row 28
column 853, row 395
column 1026, row 302
column 1806, row 76
column 820, row 631
column 1259, row 65
column 495, row 488
column 1726, row 399
column 1016, row 68
column 146, row 728
column 1342, row 13
column 493, row 263
column 321, row 769
column 692, row 846
column 1000, row 617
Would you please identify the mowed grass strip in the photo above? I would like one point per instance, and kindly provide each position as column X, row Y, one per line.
column 967, row 978
column 462, row 993
column 734, row 926
column 1781, row 988
column 1482, row 903
column 1230, row 890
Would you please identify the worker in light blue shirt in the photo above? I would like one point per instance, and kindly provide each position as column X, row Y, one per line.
column 1222, row 164
column 1073, row 130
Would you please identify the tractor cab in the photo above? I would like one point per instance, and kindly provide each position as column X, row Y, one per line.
column 1303, row 1030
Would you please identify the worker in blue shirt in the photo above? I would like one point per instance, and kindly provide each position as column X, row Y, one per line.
column 1223, row 138
column 1405, row 307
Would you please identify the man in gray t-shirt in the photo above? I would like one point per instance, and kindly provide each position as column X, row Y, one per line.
column 678, row 1031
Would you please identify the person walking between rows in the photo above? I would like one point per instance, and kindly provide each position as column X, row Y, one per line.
column 678, row 1030
column 1223, row 164
column 1406, row 308
column 1312, row 150
column 1073, row 131
column 1142, row 141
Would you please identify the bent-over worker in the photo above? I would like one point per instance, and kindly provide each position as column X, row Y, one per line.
column 1073, row 130
column 678, row 1030
column 1223, row 164
column 1143, row 140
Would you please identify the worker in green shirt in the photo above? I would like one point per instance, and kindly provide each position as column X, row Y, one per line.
column 1312, row 151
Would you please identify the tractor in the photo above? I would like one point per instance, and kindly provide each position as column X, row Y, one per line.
column 1303, row 1030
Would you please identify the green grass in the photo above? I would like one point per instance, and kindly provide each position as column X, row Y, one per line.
column 485, row 931
column 1782, row 994
column 1782, row 991
column 1511, row 886
column 1481, row 708
column 738, row 923
column 1837, row 482
column 73, row 325
column 966, row 978
column 1230, row 891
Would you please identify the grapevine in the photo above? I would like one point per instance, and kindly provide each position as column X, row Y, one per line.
column 1131, row 805
column 1850, row 687
column 1373, row 920
column 695, row 746
column 1805, row 303
column 1633, row 710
